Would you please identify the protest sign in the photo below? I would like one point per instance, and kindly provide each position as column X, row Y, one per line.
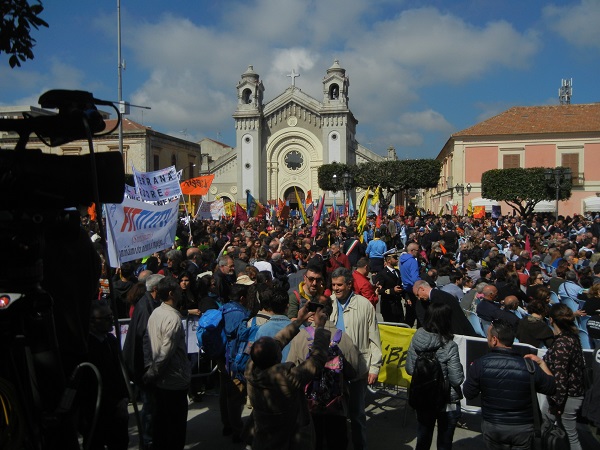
column 156, row 186
column 130, row 192
column 394, row 345
column 137, row 229
column 211, row 210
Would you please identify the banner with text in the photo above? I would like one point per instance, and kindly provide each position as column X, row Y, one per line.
column 137, row 229
column 159, row 185
column 198, row 185
column 394, row 346
column 130, row 192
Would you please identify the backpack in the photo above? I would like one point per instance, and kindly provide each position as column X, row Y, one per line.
column 325, row 393
column 211, row 333
column 428, row 390
column 246, row 335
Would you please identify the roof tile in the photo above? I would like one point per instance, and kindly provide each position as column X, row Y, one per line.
column 539, row 119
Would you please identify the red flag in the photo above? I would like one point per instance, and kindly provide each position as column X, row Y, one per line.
column 454, row 210
column 285, row 212
column 378, row 220
column 240, row 214
column 317, row 217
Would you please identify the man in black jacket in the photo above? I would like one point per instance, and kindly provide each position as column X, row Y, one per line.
column 503, row 381
column 427, row 295
column 390, row 288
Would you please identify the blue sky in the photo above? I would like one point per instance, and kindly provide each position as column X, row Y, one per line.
column 419, row 70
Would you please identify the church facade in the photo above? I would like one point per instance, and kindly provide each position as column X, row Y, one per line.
column 281, row 144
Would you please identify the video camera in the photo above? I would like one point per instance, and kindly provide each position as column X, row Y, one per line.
column 49, row 270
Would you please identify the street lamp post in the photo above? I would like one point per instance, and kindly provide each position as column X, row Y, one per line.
column 554, row 177
column 460, row 189
column 347, row 180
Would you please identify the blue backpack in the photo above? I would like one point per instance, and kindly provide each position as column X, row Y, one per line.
column 211, row 333
column 246, row 335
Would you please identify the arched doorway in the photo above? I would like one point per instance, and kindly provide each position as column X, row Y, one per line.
column 290, row 196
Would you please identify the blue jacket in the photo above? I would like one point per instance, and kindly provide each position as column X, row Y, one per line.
column 376, row 248
column 409, row 270
column 275, row 324
column 502, row 379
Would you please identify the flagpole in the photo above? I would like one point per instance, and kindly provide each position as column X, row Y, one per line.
column 187, row 214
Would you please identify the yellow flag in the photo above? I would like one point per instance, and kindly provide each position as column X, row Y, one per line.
column 470, row 209
column 362, row 216
column 375, row 198
column 300, row 207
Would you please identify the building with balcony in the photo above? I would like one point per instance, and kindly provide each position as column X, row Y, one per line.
column 523, row 136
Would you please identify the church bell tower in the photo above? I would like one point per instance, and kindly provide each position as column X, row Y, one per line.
column 251, row 157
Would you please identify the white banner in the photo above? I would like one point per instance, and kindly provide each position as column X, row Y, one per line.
column 217, row 209
column 158, row 185
column 211, row 210
column 203, row 212
column 137, row 229
column 130, row 192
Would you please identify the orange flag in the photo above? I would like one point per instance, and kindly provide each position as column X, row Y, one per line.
column 92, row 211
column 198, row 185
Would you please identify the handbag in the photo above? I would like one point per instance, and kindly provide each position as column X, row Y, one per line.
column 549, row 436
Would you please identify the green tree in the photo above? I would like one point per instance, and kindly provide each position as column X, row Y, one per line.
column 522, row 188
column 392, row 176
column 17, row 18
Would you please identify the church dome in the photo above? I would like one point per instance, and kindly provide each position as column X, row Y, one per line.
column 336, row 68
column 250, row 74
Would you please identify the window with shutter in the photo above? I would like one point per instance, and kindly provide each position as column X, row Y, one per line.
column 511, row 161
column 571, row 160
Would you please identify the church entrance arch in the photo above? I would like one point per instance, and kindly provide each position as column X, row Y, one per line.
column 290, row 196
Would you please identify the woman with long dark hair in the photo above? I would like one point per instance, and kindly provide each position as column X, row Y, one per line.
column 532, row 329
column 189, row 299
column 565, row 361
column 435, row 335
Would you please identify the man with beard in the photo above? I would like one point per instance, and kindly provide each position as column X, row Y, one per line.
column 308, row 289
column 168, row 367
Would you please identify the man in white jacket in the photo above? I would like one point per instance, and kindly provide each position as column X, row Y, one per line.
column 355, row 315
column 168, row 369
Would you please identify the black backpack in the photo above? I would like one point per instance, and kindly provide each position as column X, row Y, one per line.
column 428, row 390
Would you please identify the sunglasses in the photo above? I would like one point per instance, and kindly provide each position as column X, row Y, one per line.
column 314, row 279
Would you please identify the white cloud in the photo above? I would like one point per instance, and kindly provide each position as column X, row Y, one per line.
column 438, row 47
column 428, row 120
column 193, row 69
column 59, row 76
column 578, row 24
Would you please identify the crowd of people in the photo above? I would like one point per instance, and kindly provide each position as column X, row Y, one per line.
column 531, row 280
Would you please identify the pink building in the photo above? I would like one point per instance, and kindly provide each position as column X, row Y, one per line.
column 523, row 136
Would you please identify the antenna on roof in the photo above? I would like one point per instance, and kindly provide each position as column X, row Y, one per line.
column 565, row 91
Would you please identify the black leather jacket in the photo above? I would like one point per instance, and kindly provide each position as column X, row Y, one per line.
column 502, row 379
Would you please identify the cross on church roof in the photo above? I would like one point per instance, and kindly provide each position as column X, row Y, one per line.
column 293, row 76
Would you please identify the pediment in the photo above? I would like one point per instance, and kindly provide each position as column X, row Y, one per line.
column 293, row 96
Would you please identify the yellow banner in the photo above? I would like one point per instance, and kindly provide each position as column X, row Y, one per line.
column 394, row 346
